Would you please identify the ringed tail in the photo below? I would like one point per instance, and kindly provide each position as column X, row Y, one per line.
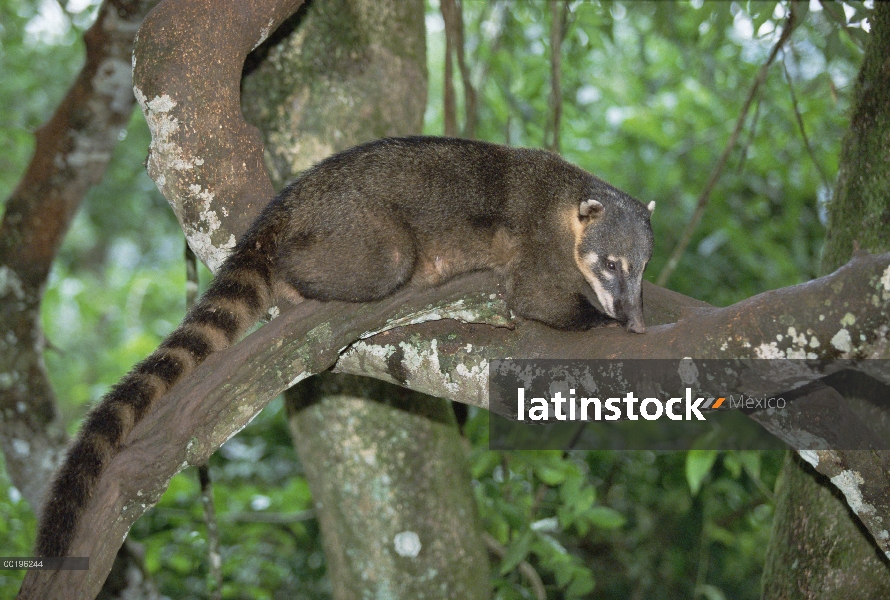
column 235, row 300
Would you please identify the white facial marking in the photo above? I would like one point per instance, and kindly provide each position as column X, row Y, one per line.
column 651, row 207
column 602, row 295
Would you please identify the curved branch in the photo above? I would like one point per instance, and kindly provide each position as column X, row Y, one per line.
column 432, row 353
column 205, row 158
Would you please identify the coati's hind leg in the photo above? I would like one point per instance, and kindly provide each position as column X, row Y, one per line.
column 359, row 258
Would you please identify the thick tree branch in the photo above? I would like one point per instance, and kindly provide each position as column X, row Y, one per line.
column 429, row 352
column 428, row 355
column 206, row 160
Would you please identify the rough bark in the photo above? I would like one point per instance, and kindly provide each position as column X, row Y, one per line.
column 434, row 353
column 205, row 159
column 392, row 487
column 859, row 211
column 380, row 460
column 73, row 149
column 353, row 71
column 817, row 549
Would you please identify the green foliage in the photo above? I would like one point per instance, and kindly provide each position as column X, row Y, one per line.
column 35, row 77
column 651, row 93
column 628, row 522
column 270, row 544
column 698, row 465
column 128, row 307
column 17, row 524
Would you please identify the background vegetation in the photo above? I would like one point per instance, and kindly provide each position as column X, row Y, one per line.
column 651, row 92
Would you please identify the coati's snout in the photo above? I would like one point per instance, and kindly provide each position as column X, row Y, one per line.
column 613, row 247
column 636, row 325
column 633, row 320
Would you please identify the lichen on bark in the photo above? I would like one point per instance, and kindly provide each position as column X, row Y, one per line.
column 818, row 548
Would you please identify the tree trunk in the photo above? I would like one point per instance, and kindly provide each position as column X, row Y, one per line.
column 386, row 466
column 818, row 549
column 859, row 212
column 391, row 488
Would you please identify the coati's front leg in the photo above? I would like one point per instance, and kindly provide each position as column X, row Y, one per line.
column 553, row 297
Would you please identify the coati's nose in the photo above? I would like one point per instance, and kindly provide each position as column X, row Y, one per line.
column 635, row 325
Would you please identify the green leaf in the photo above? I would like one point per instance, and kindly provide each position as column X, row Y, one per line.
column 485, row 463
column 764, row 12
column 722, row 535
column 577, row 494
column 710, row 592
column 803, row 9
column 858, row 35
column 517, row 551
column 698, row 465
column 551, row 468
column 606, row 518
column 835, row 12
column 550, row 475
column 582, row 585
column 733, row 464
column 751, row 460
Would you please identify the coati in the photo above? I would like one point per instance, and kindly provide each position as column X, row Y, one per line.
column 363, row 223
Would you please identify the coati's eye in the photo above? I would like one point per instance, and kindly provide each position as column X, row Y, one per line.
column 610, row 264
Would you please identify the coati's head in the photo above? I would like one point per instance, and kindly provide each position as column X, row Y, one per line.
column 613, row 245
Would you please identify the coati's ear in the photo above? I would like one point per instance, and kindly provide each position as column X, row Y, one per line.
column 651, row 207
column 590, row 209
